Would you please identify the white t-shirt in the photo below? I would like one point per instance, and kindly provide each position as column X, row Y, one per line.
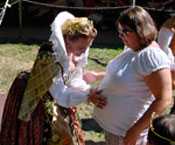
column 127, row 94
column 165, row 37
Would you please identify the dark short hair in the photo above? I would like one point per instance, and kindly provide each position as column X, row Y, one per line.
column 140, row 21
column 163, row 126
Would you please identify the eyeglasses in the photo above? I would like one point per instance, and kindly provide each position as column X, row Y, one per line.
column 124, row 31
column 152, row 129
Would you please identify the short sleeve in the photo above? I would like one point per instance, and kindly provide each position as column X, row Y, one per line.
column 150, row 60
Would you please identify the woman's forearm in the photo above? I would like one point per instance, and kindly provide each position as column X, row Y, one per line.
column 158, row 106
column 92, row 76
column 134, row 132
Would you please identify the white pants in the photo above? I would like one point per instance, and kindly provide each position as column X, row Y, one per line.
column 112, row 139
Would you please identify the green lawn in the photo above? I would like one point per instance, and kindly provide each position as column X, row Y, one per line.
column 14, row 58
column 17, row 57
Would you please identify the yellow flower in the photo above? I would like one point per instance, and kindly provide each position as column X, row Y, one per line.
column 79, row 25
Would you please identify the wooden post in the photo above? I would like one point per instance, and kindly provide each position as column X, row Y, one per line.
column 20, row 18
column 108, row 3
column 133, row 3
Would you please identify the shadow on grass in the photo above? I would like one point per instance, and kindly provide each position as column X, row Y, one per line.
column 90, row 125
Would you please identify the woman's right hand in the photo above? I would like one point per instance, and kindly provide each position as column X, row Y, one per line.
column 97, row 99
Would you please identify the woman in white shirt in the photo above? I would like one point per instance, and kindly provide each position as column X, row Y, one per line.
column 137, row 82
column 166, row 40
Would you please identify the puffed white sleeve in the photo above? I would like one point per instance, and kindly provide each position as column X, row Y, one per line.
column 151, row 60
column 67, row 96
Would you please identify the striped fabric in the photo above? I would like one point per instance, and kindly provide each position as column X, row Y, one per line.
column 112, row 139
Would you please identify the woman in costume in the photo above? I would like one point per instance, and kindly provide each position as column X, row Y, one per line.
column 166, row 40
column 31, row 116
column 77, row 41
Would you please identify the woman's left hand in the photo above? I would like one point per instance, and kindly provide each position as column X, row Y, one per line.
column 97, row 99
column 131, row 137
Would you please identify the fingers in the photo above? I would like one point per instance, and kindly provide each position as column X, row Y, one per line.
column 97, row 99
column 100, row 102
column 100, row 105
column 96, row 91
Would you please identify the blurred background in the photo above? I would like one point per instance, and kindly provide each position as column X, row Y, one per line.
column 29, row 20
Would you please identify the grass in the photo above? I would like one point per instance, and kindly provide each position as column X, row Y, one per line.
column 103, row 55
column 14, row 58
column 18, row 57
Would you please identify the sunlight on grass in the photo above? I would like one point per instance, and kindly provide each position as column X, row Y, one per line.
column 94, row 136
column 103, row 55
column 14, row 58
column 18, row 57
